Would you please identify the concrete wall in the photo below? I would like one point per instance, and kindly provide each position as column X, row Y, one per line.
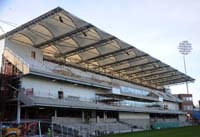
column 16, row 61
column 140, row 120
column 66, row 120
column 71, row 120
column 48, row 88
column 125, row 115
column 24, row 51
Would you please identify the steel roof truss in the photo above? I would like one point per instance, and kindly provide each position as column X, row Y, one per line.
column 33, row 22
column 162, row 77
column 120, row 62
column 171, row 78
column 68, row 34
column 84, row 48
column 155, row 74
column 169, row 82
column 139, row 65
column 107, row 55
column 151, row 70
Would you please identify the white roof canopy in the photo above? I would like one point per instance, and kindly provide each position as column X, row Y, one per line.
column 66, row 39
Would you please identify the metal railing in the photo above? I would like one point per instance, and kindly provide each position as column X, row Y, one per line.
column 30, row 98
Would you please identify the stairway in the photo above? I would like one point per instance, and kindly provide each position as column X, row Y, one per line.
column 128, row 124
column 27, row 100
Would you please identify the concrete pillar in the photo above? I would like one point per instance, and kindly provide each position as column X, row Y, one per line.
column 104, row 116
column 199, row 104
column 94, row 118
column 83, row 116
column 18, row 112
column 25, row 113
column 55, row 113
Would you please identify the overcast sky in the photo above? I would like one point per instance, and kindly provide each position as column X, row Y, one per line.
column 154, row 26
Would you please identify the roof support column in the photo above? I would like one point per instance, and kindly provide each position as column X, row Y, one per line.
column 83, row 116
column 104, row 116
column 18, row 112
column 55, row 113
column 94, row 117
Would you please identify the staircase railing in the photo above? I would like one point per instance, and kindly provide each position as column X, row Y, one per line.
column 26, row 99
column 125, row 123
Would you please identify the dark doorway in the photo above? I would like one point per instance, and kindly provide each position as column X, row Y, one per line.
column 60, row 94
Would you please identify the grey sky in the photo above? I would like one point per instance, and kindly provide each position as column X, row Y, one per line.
column 154, row 26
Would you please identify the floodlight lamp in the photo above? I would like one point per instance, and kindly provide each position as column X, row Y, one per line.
column 185, row 47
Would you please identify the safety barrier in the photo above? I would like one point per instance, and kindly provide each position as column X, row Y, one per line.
column 162, row 125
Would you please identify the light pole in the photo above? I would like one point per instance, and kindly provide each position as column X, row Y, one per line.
column 1, row 29
column 185, row 48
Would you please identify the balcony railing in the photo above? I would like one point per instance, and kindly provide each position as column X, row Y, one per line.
column 120, row 103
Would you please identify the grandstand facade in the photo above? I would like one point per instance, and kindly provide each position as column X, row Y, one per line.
column 61, row 69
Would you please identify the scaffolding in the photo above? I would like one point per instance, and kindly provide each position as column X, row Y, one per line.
column 10, row 85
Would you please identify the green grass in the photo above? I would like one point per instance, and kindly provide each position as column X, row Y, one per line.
column 193, row 131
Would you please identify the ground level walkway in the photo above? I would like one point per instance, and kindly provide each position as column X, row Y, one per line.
column 191, row 131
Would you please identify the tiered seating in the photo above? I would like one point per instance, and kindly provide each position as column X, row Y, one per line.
column 95, row 129
column 107, row 128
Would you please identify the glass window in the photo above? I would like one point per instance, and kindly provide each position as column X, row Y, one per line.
column 188, row 107
column 134, row 91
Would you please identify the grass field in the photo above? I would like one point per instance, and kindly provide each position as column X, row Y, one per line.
column 193, row 131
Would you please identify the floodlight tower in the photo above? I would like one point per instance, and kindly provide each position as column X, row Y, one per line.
column 185, row 48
